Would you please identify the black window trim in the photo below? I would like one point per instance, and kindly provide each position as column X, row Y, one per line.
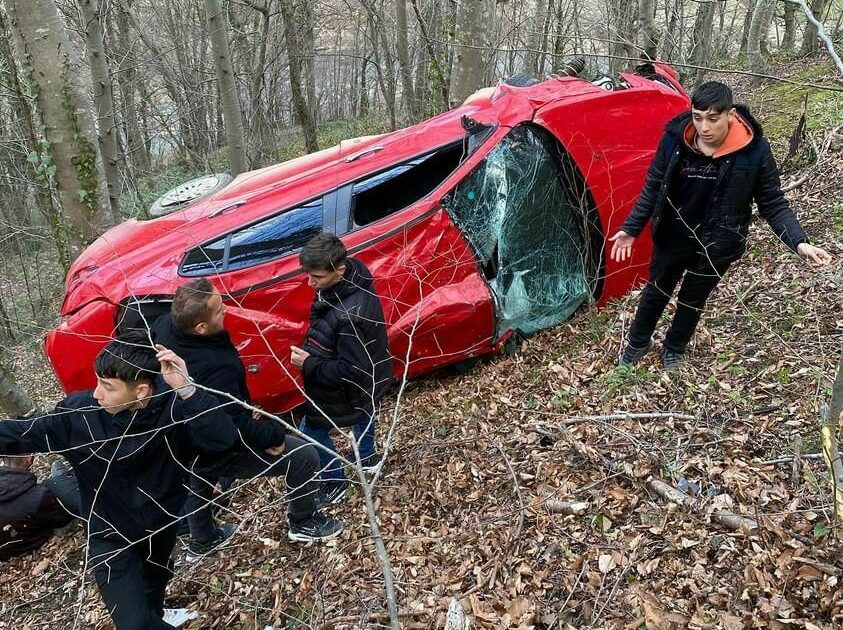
column 227, row 247
column 344, row 221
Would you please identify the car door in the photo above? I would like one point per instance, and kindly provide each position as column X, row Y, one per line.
column 436, row 303
column 267, row 296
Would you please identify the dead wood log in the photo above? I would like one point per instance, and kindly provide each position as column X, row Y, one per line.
column 567, row 507
column 735, row 522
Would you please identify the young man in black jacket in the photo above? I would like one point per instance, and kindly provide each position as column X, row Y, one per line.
column 194, row 329
column 711, row 164
column 344, row 360
column 130, row 442
column 29, row 512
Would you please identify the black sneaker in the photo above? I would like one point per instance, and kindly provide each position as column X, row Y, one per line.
column 630, row 356
column 672, row 361
column 318, row 527
column 197, row 550
column 332, row 492
column 372, row 463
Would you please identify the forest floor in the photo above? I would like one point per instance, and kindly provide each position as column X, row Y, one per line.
column 468, row 496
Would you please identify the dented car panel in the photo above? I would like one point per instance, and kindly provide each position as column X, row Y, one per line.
column 486, row 219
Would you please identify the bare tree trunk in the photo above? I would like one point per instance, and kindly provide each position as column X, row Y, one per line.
column 435, row 67
column 13, row 399
column 65, row 112
column 534, row 39
column 471, row 43
column 104, row 101
column 136, row 149
column 831, row 431
column 758, row 26
column 622, row 33
column 39, row 168
column 402, row 51
column 649, row 32
column 232, row 116
column 701, row 50
column 809, row 41
column 747, row 23
column 789, row 39
column 300, row 105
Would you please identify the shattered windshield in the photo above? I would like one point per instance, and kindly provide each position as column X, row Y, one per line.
column 526, row 226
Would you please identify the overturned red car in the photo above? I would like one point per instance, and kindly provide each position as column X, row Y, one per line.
column 486, row 220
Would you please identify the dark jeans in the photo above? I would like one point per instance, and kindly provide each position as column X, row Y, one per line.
column 132, row 580
column 699, row 276
column 299, row 465
column 364, row 433
column 63, row 485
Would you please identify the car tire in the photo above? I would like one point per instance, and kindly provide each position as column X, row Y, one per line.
column 188, row 192
column 522, row 79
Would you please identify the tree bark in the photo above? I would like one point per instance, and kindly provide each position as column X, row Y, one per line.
column 104, row 101
column 747, row 23
column 435, row 67
column 13, row 399
column 39, row 160
column 471, row 44
column 66, row 116
column 622, row 33
column 300, row 106
column 402, row 52
column 758, row 29
column 649, row 32
column 136, row 149
column 831, row 431
column 789, row 38
column 232, row 116
column 703, row 31
column 809, row 41
column 534, row 39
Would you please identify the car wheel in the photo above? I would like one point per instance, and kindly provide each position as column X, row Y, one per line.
column 522, row 79
column 188, row 192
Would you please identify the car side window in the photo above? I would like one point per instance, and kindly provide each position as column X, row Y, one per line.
column 382, row 194
column 260, row 242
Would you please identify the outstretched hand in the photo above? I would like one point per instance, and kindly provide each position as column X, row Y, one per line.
column 622, row 246
column 815, row 256
column 298, row 356
column 173, row 368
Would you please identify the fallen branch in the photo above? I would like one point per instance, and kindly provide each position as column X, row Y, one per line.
column 656, row 415
column 735, row 522
column 567, row 507
column 830, row 431
column 796, row 184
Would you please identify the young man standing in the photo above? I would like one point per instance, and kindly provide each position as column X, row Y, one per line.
column 711, row 164
column 194, row 329
column 344, row 360
column 129, row 442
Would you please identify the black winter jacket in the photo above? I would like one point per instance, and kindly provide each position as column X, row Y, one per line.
column 350, row 367
column 131, row 465
column 28, row 513
column 749, row 174
column 213, row 361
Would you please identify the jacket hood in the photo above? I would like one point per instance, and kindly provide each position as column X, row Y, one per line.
column 743, row 133
column 15, row 482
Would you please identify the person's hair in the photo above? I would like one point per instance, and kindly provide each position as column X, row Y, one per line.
column 324, row 252
column 712, row 95
column 190, row 304
column 129, row 357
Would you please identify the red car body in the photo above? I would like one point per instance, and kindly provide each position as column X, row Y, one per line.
column 439, row 305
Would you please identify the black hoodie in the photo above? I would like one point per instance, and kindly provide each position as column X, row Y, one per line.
column 28, row 513
column 213, row 361
column 131, row 465
column 748, row 174
column 350, row 367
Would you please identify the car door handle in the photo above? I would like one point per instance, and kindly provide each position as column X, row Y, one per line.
column 359, row 154
column 253, row 368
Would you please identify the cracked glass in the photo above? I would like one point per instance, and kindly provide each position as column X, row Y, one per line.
column 526, row 226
